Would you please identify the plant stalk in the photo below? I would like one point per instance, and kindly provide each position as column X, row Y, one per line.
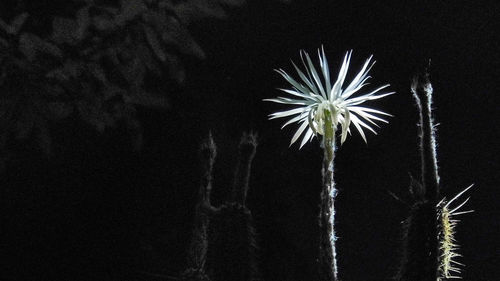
column 197, row 252
column 327, row 250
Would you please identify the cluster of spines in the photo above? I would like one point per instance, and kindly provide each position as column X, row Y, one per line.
column 430, row 249
column 448, row 266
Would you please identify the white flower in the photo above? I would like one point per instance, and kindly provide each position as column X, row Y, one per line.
column 317, row 97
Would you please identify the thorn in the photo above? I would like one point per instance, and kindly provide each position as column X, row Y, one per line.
column 458, row 195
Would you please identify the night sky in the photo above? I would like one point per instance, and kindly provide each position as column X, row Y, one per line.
column 97, row 210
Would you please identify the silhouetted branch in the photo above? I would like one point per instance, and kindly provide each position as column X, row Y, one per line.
column 247, row 148
column 233, row 246
column 422, row 92
column 420, row 235
column 232, row 251
column 197, row 252
column 223, row 245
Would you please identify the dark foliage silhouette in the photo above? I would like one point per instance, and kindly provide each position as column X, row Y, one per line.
column 97, row 63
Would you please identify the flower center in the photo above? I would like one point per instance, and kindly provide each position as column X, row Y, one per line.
column 332, row 109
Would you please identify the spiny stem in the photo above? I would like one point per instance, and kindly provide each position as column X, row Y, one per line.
column 420, row 260
column 422, row 92
column 232, row 253
column 327, row 255
column 197, row 252
column 247, row 148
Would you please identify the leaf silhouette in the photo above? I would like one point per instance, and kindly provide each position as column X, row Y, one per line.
column 144, row 54
column 195, row 10
column 58, row 110
column 176, row 34
column 30, row 45
column 176, row 68
column 104, row 23
column 83, row 21
column 64, row 30
column 129, row 10
column 154, row 43
column 17, row 23
column 5, row 27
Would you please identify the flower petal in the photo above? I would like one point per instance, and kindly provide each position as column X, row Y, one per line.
column 290, row 101
column 312, row 124
column 310, row 96
column 345, row 125
column 307, row 137
column 292, row 81
column 308, row 81
column 295, row 119
column 368, row 116
column 287, row 113
column 367, row 97
column 315, row 75
column 299, row 132
column 361, row 75
column 326, row 71
column 367, row 109
column 359, row 129
column 340, row 80
column 347, row 93
column 363, row 124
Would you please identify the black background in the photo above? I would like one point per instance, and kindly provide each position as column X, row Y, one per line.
column 97, row 211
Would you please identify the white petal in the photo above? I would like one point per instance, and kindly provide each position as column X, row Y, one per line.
column 367, row 109
column 308, row 80
column 309, row 96
column 326, row 71
column 299, row 132
column 369, row 96
column 315, row 76
column 340, row 80
column 356, row 101
column 292, row 81
column 309, row 134
column 359, row 129
column 345, row 126
column 357, row 120
column 284, row 100
column 287, row 113
column 311, row 121
column 361, row 76
column 367, row 116
column 347, row 93
column 295, row 119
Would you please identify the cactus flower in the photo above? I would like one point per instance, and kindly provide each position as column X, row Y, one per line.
column 318, row 97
